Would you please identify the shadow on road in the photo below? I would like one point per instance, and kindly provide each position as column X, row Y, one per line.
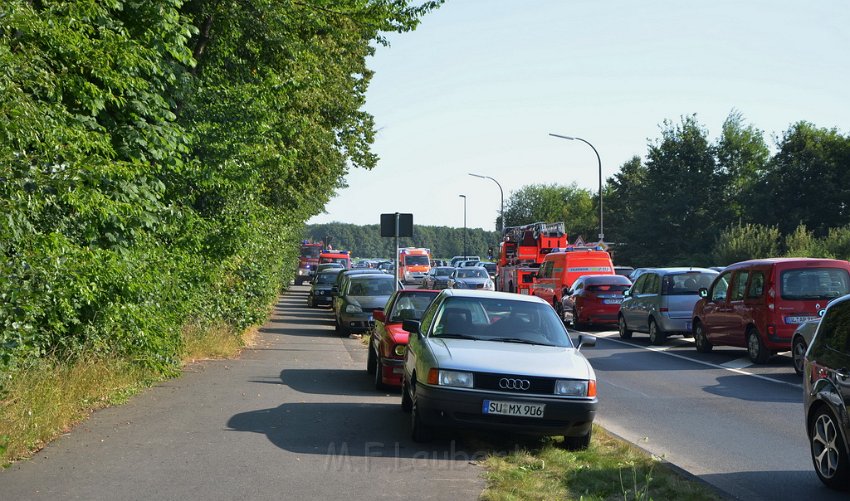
column 744, row 387
column 354, row 382
column 343, row 430
column 638, row 360
column 784, row 484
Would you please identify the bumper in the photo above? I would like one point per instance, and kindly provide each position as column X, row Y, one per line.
column 317, row 299
column 442, row 407
column 357, row 322
column 392, row 371
column 599, row 314
column 678, row 324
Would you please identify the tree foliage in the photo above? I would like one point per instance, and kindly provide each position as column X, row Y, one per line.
column 159, row 159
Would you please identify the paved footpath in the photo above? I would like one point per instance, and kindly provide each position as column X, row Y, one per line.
column 295, row 417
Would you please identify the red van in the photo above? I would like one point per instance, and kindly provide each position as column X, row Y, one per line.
column 561, row 268
column 758, row 304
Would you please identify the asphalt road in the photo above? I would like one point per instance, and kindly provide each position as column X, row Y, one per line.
column 735, row 425
column 295, row 417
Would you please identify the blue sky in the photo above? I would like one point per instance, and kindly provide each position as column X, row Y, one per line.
column 480, row 84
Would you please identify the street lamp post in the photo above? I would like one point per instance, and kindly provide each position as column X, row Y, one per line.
column 501, row 194
column 601, row 231
column 464, row 224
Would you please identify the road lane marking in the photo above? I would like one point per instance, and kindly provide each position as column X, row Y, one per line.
column 738, row 363
column 664, row 351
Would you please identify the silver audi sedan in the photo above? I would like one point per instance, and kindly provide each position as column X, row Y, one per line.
column 500, row 361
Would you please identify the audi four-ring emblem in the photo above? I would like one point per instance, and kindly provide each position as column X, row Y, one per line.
column 514, row 384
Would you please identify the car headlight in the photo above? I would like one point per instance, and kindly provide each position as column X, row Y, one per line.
column 399, row 349
column 450, row 378
column 575, row 388
column 353, row 308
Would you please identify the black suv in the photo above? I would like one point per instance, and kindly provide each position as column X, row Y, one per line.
column 826, row 381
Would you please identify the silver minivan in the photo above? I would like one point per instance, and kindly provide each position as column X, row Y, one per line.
column 661, row 302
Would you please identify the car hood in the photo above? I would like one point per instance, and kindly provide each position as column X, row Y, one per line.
column 510, row 358
column 369, row 302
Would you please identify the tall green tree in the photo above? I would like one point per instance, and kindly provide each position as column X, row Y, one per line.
column 549, row 203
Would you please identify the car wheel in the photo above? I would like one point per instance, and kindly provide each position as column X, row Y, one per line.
column 701, row 342
column 755, row 347
column 577, row 443
column 798, row 352
column 419, row 432
column 828, row 453
column 406, row 401
column 625, row 333
column 379, row 374
column 371, row 360
column 656, row 335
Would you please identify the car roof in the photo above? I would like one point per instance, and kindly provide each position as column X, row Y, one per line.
column 782, row 260
column 372, row 276
column 363, row 271
column 676, row 270
column 605, row 279
column 504, row 296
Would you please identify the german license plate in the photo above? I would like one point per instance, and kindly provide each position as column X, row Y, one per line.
column 799, row 319
column 612, row 301
column 503, row 408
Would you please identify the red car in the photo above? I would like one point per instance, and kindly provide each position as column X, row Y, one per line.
column 594, row 299
column 389, row 340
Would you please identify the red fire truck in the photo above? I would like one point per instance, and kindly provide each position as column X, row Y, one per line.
column 308, row 261
column 522, row 250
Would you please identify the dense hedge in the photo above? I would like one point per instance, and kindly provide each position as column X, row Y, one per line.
column 160, row 157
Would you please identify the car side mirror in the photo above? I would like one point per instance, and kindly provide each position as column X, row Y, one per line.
column 379, row 315
column 703, row 292
column 411, row 326
column 627, row 292
column 585, row 340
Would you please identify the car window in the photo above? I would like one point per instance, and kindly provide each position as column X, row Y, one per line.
column 500, row 320
column 411, row 306
column 718, row 292
column 651, row 284
column 637, row 288
column 834, row 329
column 370, row 287
column 685, row 284
column 740, row 286
column 546, row 270
column 814, row 283
column 756, row 288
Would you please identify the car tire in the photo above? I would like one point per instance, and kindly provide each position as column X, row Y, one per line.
column 406, row 401
column 371, row 360
column 701, row 342
column 756, row 349
column 656, row 336
column 829, row 456
column 379, row 374
column 419, row 431
column 577, row 443
column 798, row 352
column 625, row 333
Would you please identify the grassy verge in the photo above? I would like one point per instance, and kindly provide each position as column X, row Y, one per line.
column 49, row 398
column 609, row 469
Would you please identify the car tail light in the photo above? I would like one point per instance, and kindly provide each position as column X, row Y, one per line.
column 771, row 330
column 663, row 310
column 771, row 299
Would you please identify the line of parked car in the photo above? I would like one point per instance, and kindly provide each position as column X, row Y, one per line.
column 466, row 357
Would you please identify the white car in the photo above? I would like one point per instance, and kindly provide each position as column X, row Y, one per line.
column 499, row 361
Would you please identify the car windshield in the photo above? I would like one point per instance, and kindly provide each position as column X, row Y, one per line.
column 443, row 272
column 682, row 284
column 814, row 283
column 326, row 278
column 310, row 252
column 471, row 273
column 418, row 260
column 410, row 306
column 500, row 320
column 376, row 285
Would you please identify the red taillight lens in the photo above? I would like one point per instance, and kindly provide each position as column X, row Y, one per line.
column 663, row 310
column 771, row 330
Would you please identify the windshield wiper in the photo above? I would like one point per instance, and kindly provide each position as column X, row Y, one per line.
column 517, row 340
column 456, row 336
